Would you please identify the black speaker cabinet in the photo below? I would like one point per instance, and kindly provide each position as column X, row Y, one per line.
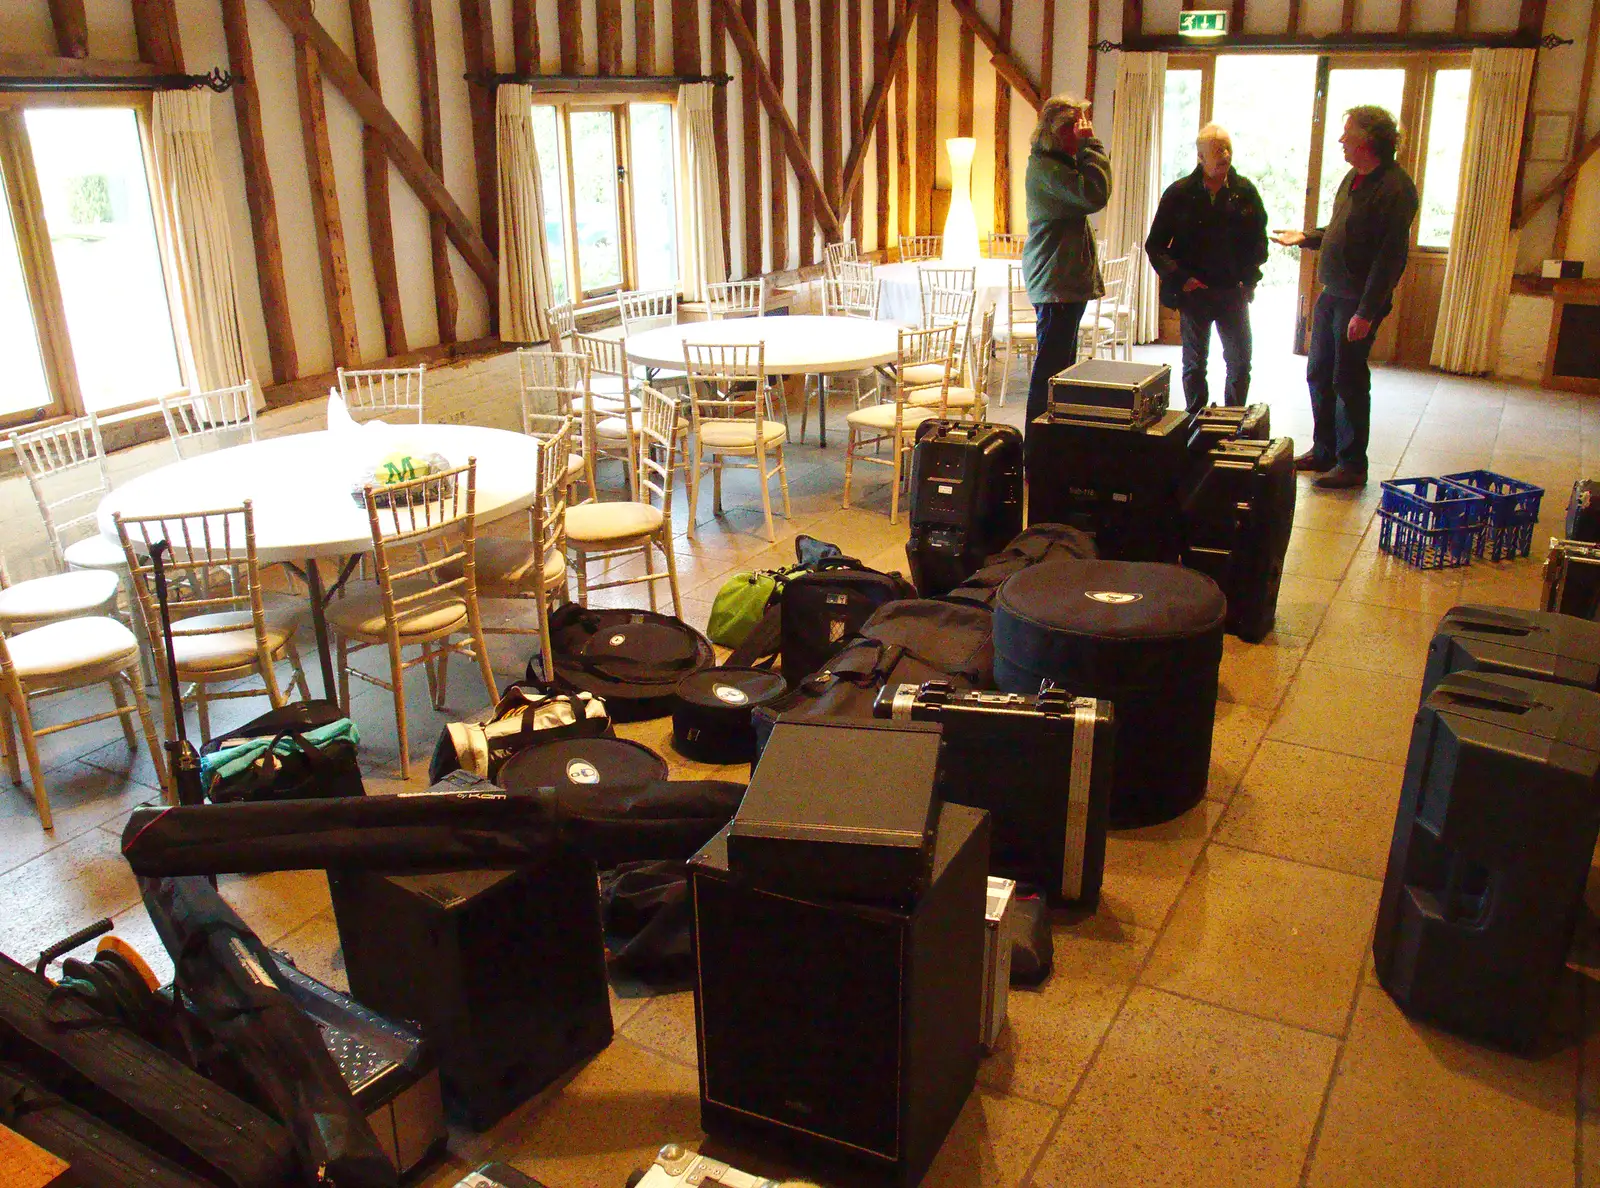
column 848, row 1034
column 503, row 969
column 1499, row 810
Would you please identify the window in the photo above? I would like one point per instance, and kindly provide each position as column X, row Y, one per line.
column 1347, row 88
column 85, row 322
column 1180, row 121
column 609, row 177
column 1441, row 178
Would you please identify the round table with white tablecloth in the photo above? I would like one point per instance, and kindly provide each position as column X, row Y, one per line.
column 900, row 292
column 793, row 345
column 300, row 487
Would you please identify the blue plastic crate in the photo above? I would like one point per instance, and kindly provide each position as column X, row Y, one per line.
column 1513, row 512
column 1431, row 523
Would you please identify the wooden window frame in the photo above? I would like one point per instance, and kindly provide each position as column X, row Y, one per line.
column 42, row 284
column 565, row 103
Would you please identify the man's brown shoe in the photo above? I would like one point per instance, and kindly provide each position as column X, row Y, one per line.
column 1341, row 478
column 1310, row 461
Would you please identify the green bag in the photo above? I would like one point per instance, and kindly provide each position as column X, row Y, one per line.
column 742, row 601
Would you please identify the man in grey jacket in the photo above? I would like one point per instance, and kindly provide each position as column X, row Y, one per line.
column 1364, row 249
column 1069, row 178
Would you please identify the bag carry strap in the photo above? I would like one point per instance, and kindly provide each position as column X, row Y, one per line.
column 760, row 648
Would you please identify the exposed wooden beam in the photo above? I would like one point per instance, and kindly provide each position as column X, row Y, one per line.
column 644, row 36
column 325, row 207
column 569, row 23
column 1402, row 23
column 1461, row 26
column 805, row 68
column 1001, row 58
column 754, row 67
column 905, row 15
column 309, row 387
column 719, row 126
column 875, row 125
column 608, row 36
column 1347, row 16
column 1579, row 128
column 1530, row 18
column 855, row 130
column 430, row 188
column 477, row 43
column 445, row 302
column 1091, row 70
column 750, row 125
column 1133, row 18
column 1294, row 16
column 927, row 107
column 47, row 66
column 686, row 36
column 1556, row 184
column 1047, row 48
column 71, row 27
column 375, row 174
column 524, row 35
column 259, row 194
column 777, row 163
column 155, row 29
column 832, row 116
column 891, row 61
column 966, row 68
column 1241, row 15
column 1002, row 134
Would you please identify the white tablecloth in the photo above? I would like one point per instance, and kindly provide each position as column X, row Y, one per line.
column 796, row 344
column 901, row 294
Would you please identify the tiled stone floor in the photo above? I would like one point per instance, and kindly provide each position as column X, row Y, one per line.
column 1216, row 1023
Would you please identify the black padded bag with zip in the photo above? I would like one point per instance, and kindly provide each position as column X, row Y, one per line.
column 633, row 659
column 824, row 609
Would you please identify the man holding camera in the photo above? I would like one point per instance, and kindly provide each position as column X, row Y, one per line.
column 1207, row 243
column 1364, row 249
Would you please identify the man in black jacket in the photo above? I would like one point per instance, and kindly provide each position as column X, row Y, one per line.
column 1364, row 249
column 1208, row 243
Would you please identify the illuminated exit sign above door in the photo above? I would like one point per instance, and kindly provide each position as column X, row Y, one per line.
column 1203, row 23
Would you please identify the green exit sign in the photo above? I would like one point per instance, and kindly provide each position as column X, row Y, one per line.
column 1203, row 23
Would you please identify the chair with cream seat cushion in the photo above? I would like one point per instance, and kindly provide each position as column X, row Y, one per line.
column 424, row 591
column 223, row 626
column 608, row 422
column 1103, row 329
column 392, row 394
column 649, row 309
column 921, row 247
column 215, row 419
column 553, row 388
column 967, row 399
column 608, row 531
column 731, row 417
column 1016, row 330
column 736, row 299
column 59, row 657
column 40, row 600
column 943, row 307
column 895, row 422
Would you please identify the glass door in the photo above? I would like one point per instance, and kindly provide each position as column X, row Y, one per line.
column 596, row 204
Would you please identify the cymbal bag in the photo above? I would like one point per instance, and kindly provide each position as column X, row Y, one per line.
column 230, row 979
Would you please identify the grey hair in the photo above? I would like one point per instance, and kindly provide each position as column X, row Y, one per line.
column 1057, row 111
column 1380, row 128
column 1212, row 132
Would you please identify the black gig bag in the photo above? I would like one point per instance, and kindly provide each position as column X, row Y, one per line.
column 524, row 717
column 1034, row 545
column 649, row 924
column 966, row 500
column 305, row 772
column 1572, row 579
column 712, row 710
column 632, row 659
column 227, row 977
column 1583, row 512
column 823, row 610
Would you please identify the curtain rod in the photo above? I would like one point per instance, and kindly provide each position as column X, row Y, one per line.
column 218, row 80
column 1333, row 43
column 598, row 82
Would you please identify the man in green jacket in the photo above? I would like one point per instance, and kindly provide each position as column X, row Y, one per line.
column 1069, row 178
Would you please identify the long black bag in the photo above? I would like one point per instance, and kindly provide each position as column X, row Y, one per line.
column 229, row 979
column 1034, row 545
column 633, row 659
column 463, row 824
column 305, row 772
column 649, row 923
column 147, row 1094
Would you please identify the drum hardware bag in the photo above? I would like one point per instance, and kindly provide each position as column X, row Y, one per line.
column 1538, row 645
column 633, row 659
column 1034, row 545
column 302, row 751
column 1111, row 390
column 966, row 500
column 1583, row 512
column 824, row 609
column 524, row 716
column 1572, row 579
column 711, row 715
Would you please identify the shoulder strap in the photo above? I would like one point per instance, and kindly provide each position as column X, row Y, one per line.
column 760, row 648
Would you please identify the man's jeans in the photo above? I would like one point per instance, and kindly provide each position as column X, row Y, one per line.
column 1229, row 311
column 1057, row 350
column 1340, row 383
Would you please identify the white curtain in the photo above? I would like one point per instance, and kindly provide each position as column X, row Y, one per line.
column 200, row 248
column 700, row 258
column 1136, row 179
column 524, row 275
column 1477, row 276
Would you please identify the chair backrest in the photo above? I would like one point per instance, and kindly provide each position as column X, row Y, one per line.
column 202, row 417
column 563, row 325
column 850, row 298
column 658, row 421
column 835, row 254
column 727, row 381
column 737, row 299
column 552, row 383
column 420, row 529
column 1003, row 246
column 607, row 356
column 857, row 272
column 645, row 309
column 980, row 351
column 1114, row 273
column 66, row 469
column 921, row 247
column 963, row 279
column 936, row 344
column 210, row 570
column 1018, row 307
column 383, row 392
column 949, row 307
column 549, row 509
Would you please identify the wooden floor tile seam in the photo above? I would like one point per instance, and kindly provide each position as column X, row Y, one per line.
column 1227, row 845
column 1309, row 1162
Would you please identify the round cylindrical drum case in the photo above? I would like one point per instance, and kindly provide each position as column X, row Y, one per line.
column 1147, row 637
column 711, row 712
column 582, row 762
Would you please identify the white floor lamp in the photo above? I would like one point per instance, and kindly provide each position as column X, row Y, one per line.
column 960, row 224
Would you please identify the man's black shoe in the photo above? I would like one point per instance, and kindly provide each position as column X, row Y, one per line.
column 1342, row 478
column 1311, row 461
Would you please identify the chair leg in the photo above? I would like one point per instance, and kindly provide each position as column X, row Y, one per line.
column 397, row 678
column 582, row 571
column 202, row 710
column 766, row 493
column 157, row 757
column 849, row 461
column 1005, row 374
column 343, row 661
column 429, row 660
column 672, row 571
column 123, row 711
column 481, row 647
column 692, row 477
column 716, row 484
column 8, row 735
column 894, row 491
column 650, row 572
column 546, row 652
column 783, row 483
column 299, row 672
column 805, row 407
column 269, row 678
column 41, row 796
